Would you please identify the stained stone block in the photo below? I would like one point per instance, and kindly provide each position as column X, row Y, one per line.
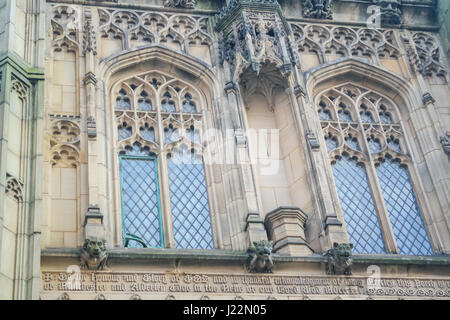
column 285, row 227
column 93, row 224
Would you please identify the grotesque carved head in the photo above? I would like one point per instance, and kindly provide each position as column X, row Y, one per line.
column 342, row 251
column 94, row 247
column 263, row 248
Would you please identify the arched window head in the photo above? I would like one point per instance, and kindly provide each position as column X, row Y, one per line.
column 376, row 194
column 164, row 196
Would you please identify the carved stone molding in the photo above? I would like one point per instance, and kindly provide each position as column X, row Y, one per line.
column 14, row 188
column 445, row 142
column 313, row 142
column 427, row 57
column 64, row 296
column 317, row 9
column 187, row 4
column 65, row 22
column 251, row 38
column 89, row 38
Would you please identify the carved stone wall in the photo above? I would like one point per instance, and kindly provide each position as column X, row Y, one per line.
column 253, row 64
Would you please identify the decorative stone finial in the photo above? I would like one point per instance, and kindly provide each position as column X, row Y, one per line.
column 260, row 260
column 339, row 259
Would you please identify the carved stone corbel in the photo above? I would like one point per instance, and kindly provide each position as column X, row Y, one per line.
column 339, row 259
column 94, row 254
column 259, row 257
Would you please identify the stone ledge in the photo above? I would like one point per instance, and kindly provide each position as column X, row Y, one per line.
column 240, row 256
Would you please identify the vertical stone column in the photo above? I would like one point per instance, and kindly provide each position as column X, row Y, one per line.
column 328, row 223
column 254, row 225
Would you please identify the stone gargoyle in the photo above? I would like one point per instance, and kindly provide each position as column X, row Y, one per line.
column 339, row 259
column 93, row 255
column 259, row 257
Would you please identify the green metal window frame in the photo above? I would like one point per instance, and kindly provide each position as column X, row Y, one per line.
column 127, row 237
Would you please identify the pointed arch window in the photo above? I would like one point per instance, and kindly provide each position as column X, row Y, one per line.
column 164, row 195
column 372, row 179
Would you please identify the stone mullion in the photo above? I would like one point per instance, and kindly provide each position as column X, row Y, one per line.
column 163, row 180
column 329, row 213
column 254, row 226
column 376, row 191
column 35, row 208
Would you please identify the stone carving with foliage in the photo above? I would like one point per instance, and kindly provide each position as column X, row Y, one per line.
column 94, row 254
column 189, row 4
column 317, row 9
column 339, row 259
column 260, row 259
column 390, row 10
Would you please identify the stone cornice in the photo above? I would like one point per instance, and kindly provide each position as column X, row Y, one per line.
column 240, row 256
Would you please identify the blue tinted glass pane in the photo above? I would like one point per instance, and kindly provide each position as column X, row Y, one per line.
column 331, row 143
column 374, row 146
column 124, row 133
column 357, row 205
column 171, row 134
column 148, row 133
column 190, row 210
column 352, row 143
column 344, row 116
column 122, row 101
column 404, row 212
column 141, row 216
column 145, row 105
column 366, row 117
column 385, row 117
column 394, row 145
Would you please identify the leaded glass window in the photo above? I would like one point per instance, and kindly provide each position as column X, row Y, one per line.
column 164, row 200
column 358, row 207
column 189, row 199
column 372, row 179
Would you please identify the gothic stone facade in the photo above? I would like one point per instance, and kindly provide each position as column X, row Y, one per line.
column 317, row 133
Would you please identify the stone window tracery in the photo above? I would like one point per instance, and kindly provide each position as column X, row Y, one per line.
column 370, row 165
column 164, row 198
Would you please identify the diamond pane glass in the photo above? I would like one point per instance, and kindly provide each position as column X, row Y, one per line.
column 374, row 145
column 352, row 143
column 190, row 210
column 385, row 117
column 140, row 207
column 122, row 101
column 394, row 145
column 189, row 105
column 324, row 114
column 148, row 133
column 171, row 134
column 366, row 117
column 358, row 208
column 344, row 116
column 124, row 133
column 404, row 212
column 331, row 143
